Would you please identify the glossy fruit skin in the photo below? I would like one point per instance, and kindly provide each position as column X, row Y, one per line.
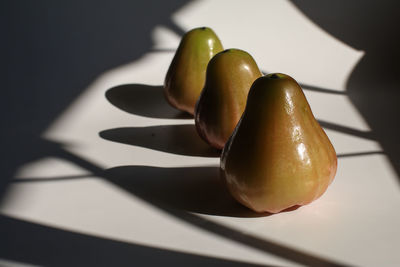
column 278, row 155
column 186, row 74
column 229, row 77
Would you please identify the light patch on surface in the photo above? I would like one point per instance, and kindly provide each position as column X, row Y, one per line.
column 346, row 143
column 278, row 36
column 336, row 109
column 363, row 196
column 164, row 38
column 50, row 167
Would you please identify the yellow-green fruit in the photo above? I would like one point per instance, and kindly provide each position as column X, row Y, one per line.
column 278, row 155
column 229, row 77
column 186, row 74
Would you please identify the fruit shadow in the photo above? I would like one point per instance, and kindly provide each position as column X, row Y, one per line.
column 190, row 189
column 176, row 139
column 144, row 100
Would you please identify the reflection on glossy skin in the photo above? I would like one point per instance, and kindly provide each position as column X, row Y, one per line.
column 214, row 45
column 297, row 134
column 230, row 75
column 278, row 155
column 186, row 74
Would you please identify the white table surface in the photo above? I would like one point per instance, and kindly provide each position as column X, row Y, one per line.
column 141, row 174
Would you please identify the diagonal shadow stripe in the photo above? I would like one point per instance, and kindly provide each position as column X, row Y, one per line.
column 347, row 130
column 320, row 89
column 263, row 245
column 346, row 155
column 28, row 242
column 51, row 179
column 229, row 233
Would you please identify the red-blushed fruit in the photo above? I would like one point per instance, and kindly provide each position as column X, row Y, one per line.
column 278, row 155
column 229, row 77
column 186, row 74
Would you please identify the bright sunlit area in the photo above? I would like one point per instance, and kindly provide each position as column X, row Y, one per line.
column 101, row 169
